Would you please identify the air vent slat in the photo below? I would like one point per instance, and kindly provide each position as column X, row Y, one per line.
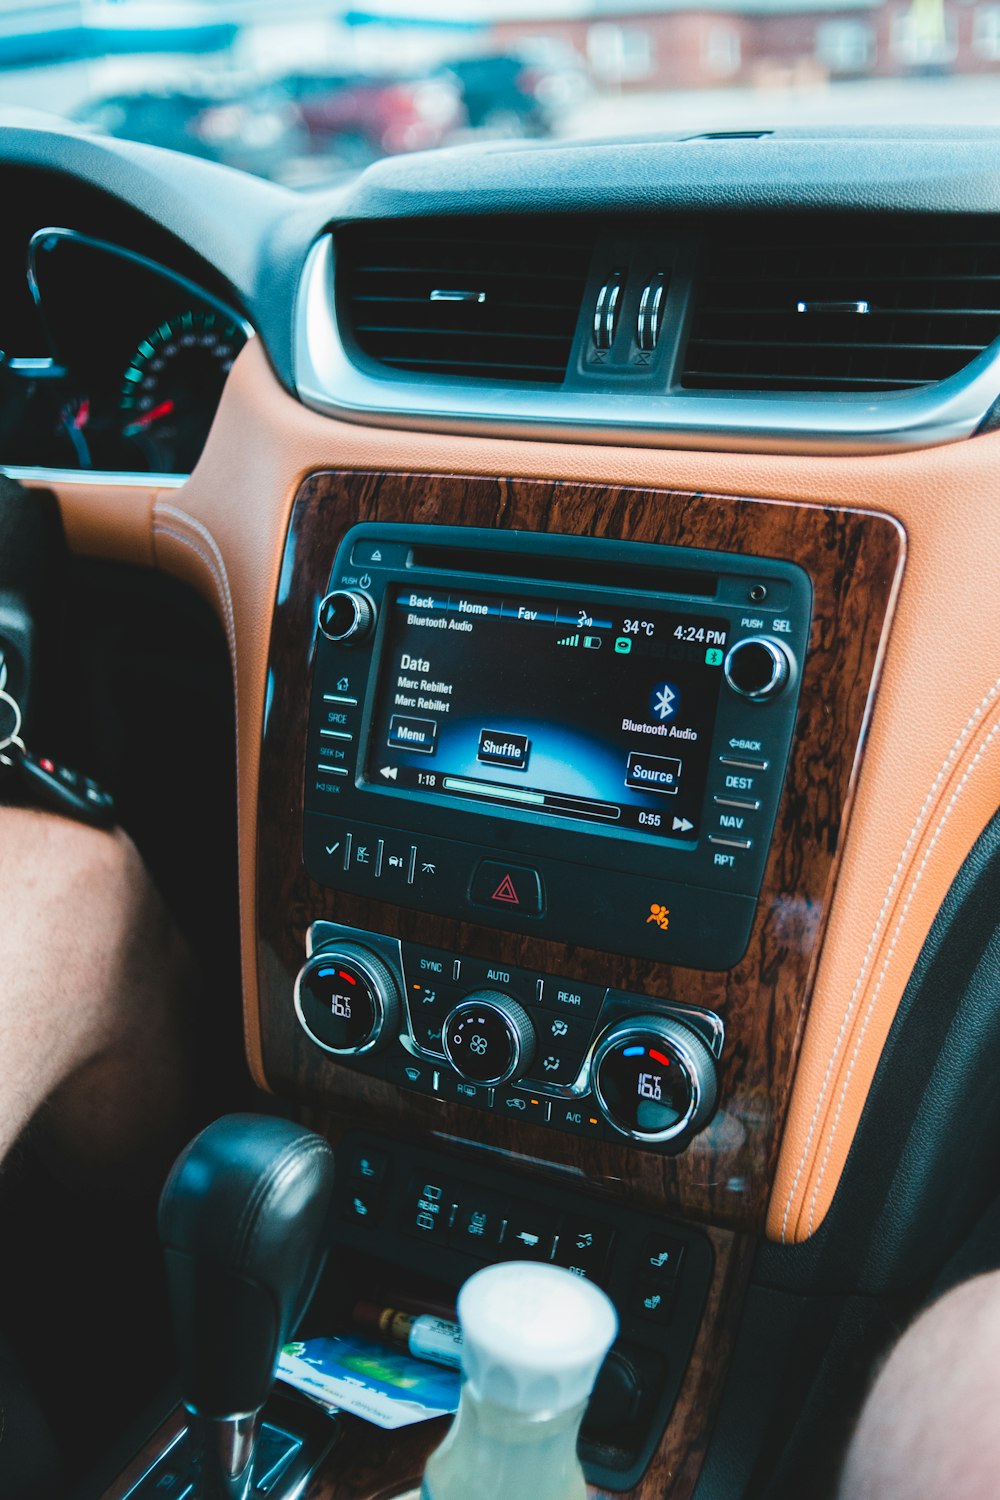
column 846, row 344
column 461, row 303
column 798, row 382
column 776, row 313
column 876, row 312
column 457, row 333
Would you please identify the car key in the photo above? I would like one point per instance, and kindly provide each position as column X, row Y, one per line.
column 55, row 786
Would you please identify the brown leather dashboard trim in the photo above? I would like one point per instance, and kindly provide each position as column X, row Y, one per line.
column 931, row 777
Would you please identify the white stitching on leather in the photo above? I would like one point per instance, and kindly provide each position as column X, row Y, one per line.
column 953, row 753
column 888, row 960
column 219, row 575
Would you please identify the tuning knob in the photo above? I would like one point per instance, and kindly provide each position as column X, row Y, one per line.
column 346, row 616
column 757, row 668
column 347, row 1000
column 654, row 1079
column 488, row 1038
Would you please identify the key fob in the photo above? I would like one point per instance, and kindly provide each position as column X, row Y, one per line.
column 67, row 792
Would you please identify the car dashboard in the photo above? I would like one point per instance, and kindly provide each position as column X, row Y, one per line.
column 602, row 539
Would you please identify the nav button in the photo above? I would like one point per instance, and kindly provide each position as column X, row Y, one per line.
column 516, row 889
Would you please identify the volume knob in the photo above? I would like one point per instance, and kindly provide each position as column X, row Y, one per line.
column 346, row 616
column 347, row 1000
column 489, row 1038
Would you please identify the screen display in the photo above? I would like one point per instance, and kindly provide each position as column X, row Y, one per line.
column 601, row 715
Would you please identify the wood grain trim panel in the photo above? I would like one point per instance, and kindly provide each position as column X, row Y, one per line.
column 725, row 1175
column 263, row 443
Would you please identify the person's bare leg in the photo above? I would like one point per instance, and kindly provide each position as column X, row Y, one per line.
column 929, row 1429
column 92, row 975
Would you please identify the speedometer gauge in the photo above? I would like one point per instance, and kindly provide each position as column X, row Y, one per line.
column 173, row 386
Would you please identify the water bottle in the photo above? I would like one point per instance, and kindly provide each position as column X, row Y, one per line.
column 533, row 1340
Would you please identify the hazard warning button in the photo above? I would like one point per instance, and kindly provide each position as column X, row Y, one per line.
column 512, row 888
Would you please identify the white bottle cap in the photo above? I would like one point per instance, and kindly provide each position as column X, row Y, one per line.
column 533, row 1336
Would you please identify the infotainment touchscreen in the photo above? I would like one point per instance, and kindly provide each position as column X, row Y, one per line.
column 597, row 714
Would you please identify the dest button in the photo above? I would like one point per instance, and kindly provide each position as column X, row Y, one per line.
column 512, row 888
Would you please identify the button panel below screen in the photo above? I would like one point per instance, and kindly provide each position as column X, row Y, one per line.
column 607, row 910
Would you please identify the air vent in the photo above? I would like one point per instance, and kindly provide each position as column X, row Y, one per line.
column 839, row 308
column 463, row 302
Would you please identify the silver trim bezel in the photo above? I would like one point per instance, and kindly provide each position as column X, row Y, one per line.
column 503, row 1010
column 782, row 663
column 328, row 381
column 38, row 474
column 384, row 995
column 643, row 1025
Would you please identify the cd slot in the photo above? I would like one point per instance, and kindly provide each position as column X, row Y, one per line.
column 519, row 566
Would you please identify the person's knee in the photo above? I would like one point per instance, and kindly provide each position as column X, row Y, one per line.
column 929, row 1427
column 93, row 974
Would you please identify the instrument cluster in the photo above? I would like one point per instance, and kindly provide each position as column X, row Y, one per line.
column 132, row 367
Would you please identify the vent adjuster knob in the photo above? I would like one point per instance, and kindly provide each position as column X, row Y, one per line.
column 606, row 310
column 649, row 319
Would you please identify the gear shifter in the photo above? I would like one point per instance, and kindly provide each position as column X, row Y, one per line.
column 242, row 1222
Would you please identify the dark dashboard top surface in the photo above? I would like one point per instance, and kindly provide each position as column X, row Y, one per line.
column 252, row 237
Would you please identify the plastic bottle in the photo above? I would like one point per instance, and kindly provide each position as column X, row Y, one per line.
column 533, row 1340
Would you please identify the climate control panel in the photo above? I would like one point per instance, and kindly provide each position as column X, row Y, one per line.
column 580, row 1058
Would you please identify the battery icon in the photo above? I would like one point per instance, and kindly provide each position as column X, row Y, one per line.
column 592, row 642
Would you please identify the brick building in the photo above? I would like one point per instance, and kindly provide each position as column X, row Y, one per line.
column 706, row 43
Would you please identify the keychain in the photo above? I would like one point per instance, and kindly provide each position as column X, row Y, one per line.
column 54, row 786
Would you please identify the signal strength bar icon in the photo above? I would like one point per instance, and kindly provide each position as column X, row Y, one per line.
column 569, row 640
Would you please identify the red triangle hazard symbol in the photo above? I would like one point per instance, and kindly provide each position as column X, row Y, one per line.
column 505, row 892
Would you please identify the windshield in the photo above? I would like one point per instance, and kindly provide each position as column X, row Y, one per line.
column 307, row 91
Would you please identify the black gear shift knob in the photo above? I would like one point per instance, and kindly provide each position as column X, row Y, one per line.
column 242, row 1221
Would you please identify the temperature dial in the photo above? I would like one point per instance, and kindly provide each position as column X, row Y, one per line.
column 654, row 1079
column 346, row 616
column 347, row 1000
column 489, row 1038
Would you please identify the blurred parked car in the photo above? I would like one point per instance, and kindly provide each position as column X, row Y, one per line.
column 359, row 118
column 517, row 93
column 256, row 129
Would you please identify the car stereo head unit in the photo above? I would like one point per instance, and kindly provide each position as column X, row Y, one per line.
column 580, row 738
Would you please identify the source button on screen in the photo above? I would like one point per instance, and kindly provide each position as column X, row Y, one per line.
column 654, row 773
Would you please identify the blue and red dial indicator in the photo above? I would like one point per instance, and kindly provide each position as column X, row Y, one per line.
column 659, row 1057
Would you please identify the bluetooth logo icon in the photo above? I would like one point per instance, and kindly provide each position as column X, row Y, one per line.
column 665, row 701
